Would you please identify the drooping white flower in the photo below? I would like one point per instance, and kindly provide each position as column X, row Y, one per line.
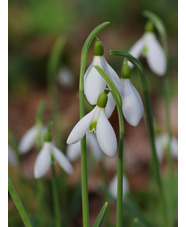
column 65, row 77
column 28, row 140
column 113, row 187
column 161, row 143
column 132, row 105
column 96, row 121
column 74, row 150
column 44, row 160
column 12, row 158
column 149, row 47
column 94, row 84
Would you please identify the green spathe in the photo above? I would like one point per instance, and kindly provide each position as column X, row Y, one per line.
column 102, row 100
column 98, row 48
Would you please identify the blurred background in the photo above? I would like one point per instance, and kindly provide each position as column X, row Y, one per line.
column 34, row 27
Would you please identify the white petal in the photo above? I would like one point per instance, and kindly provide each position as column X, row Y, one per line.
column 155, row 55
column 43, row 160
column 136, row 50
column 80, row 128
column 174, row 147
column 28, row 140
column 160, row 143
column 74, row 151
column 110, row 105
column 63, row 160
column 113, row 75
column 94, row 83
column 94, row 146
column 113, row 187
column 132, row 105
column 12, row 158
column 105, row 135
column 65, row 77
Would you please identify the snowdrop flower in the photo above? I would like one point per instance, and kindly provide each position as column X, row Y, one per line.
column 96, row 121
column 46, row 156
column 149, row 47
column 94, row 84
column 74, row 150
column 28, row 140
column 161, row 143
column 12, row 158
column 113, row 187
column 65, row 77
column 132, row 105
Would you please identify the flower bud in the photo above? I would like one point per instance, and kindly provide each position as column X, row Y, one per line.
column 98, row 48
column 102, row 100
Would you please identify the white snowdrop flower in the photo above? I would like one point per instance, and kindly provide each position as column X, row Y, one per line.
column 161, row 143
column 132, row 105
column 149, row 47
column 65, row 77
column 94, row 84
column 74, row 150
column 96, row 121
column 12, row 158
column 45, row 156
column 113, row 187
column 28, row 140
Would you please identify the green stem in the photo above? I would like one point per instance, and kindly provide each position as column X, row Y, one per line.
column 52, row 68
column 84, row 181
column 163, row 34
column 139, row 66
column 55, row 199
column 18, row 204
column 117, row 99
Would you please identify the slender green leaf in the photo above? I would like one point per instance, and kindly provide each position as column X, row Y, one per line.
column 18, row 204
column 99, row 219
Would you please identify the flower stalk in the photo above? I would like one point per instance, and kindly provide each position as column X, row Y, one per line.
column 84, row 181
column 166, row 86
column 117, row 98
column 139, row 66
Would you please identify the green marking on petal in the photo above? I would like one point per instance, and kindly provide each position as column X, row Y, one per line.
column 92, row 127
column 145, row 49
column 53, row 158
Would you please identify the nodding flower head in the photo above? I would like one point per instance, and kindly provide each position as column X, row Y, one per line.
column 96, row 121
column 29, row 138
column 94, row 84
column 132, row 105
column 149, row 47
column 47, row 155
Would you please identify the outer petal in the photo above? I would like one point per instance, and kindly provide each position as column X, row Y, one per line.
column 155, row 55
column 74, row 151
column 12, row 158
column 136, row 50
column 43, row 160
column 174, row 147
column 113, row 75
column 94, row 146
column 105, row 135
column 28, row 140
column 65, row 77
column 110, row 105
column 94, row 83
column 160, row 143
column 113, row 187
column 132, row 105
column 63, row 160
column 80, row 128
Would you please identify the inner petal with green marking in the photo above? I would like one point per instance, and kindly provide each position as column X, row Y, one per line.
column 92, row 127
